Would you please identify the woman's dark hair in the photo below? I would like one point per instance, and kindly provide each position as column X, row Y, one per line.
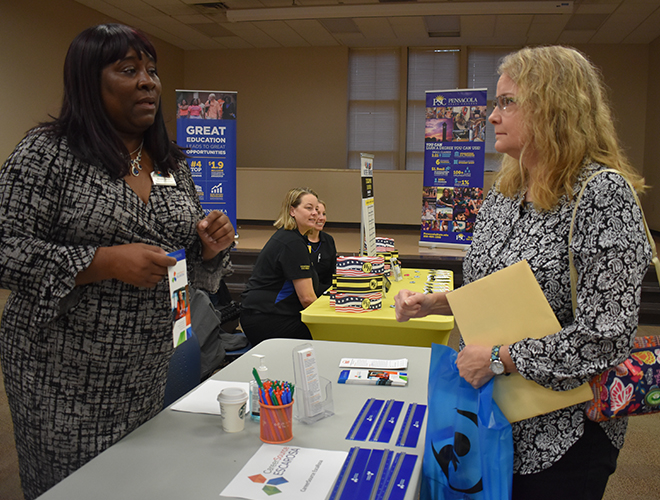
column 83, row 120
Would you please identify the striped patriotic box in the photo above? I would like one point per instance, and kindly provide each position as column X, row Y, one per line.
column 387, row 255
column 358, row 302
column 384, row 244
column 360, row 266
column 357, row 284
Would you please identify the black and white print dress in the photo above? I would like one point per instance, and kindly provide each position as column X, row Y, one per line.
column 611, row 256
column 84, row 366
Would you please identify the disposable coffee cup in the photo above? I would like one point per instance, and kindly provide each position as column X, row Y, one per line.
column 233, row 406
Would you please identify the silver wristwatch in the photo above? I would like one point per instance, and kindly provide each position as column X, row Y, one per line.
column 496, row 365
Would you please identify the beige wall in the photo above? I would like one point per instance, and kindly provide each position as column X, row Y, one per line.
column 625, row 71
column 292, row 103
column 292, row 107
column 398, row 194
column 34, row 36
column 652, row 139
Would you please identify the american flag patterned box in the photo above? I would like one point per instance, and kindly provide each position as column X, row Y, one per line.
column 360, row 266
column 384, row 244
column 358, row 302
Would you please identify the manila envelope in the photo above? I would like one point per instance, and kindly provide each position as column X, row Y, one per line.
column 503, row 308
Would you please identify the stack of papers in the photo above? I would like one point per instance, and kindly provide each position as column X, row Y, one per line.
column 204, row 399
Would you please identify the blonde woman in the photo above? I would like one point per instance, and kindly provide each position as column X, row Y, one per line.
column 555, row 128
column 323, row 250
column 283, row 280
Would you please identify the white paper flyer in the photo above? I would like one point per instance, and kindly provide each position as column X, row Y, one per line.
column 298, row 473
column 180, row 298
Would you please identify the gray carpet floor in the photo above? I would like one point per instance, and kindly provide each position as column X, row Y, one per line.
column 636, row 478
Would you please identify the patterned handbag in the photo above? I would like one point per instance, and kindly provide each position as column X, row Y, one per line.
column 633, row 387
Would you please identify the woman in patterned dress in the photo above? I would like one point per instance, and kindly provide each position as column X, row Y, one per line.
column 91, row 203
column 555, row 128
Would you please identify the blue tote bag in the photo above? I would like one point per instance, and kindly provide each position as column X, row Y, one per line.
column 469, row 446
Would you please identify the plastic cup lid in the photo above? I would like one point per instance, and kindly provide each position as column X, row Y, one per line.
column 232, row 395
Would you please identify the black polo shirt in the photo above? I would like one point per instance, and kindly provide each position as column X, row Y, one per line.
column 284, row 258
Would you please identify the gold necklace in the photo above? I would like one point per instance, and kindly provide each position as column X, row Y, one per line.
column 136, row 168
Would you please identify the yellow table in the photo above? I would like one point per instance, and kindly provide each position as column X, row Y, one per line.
column 380, row 326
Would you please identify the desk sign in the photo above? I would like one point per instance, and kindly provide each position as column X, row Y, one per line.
column 297, row 473
column 368, row 224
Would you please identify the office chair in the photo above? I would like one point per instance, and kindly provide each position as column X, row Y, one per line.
column 185, row 370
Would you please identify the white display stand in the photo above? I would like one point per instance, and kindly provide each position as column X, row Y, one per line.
column 368, row 220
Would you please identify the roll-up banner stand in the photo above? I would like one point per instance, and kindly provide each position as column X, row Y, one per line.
column 454, row 148
column 206, row 129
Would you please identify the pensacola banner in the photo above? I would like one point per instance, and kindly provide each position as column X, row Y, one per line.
column 454, row 148
column 206, row 128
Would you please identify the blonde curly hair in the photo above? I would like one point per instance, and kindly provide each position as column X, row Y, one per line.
column 568, row 119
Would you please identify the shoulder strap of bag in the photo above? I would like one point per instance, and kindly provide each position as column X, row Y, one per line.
column 649, row 236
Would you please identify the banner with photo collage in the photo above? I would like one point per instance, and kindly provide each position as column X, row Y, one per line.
column 206, row 128
column 454, row 149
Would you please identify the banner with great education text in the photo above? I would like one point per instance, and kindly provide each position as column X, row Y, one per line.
column 454, row 149
column 206, row 128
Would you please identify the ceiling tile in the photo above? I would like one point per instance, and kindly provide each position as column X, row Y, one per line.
column 406, row 27
column 212, row 30
column 183, row 31
column 617, row 27
column 645, row 7
column 514, row 26
column 375, row 27
column 478, row 26
column 282, row 33
column 174, row 8
column 236, row 4
column 135, row 7
column 313, row 32
column 602, row 8
column 164, row 35
column 646, row 32
column 627, row 21
column 251, row 34
column 193, row 19
column 546, row 29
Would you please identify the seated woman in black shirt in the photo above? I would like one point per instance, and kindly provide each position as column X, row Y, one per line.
column 283, row 281
column 323, row 250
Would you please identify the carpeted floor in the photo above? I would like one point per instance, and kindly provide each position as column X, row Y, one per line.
column 636, row 477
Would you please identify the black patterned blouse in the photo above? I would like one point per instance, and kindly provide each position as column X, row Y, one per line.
column 84, row 366
column 611, row 255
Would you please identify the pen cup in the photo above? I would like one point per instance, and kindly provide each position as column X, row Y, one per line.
column 276, row 423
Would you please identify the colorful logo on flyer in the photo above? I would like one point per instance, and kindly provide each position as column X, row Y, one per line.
column 271, row 486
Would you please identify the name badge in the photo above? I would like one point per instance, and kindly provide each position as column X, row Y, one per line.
column 163, row 180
